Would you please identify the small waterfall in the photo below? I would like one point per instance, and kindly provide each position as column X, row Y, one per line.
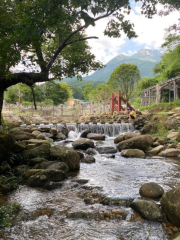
column 71, row 127
column 110, row 130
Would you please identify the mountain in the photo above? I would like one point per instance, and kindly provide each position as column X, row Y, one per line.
column 145, row 60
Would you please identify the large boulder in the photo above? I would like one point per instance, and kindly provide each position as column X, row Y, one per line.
column 134, row 153
column 154, row 151
column 83, row 144
column 151, row 190
column 129, row 135
column 148, row 209
column 107, row 149
column 34, row 161
column 67, row 155
column 142, row 142
column 44, row 176
column 22, row 135
column 19, row 147
column 95, row 136
column 59, row 166
column 170, row 203
column 171, row 152
column 41, row 151
column 119, row 139
column 173, row 135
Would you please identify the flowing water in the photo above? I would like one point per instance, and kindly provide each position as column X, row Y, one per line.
column 62, row 214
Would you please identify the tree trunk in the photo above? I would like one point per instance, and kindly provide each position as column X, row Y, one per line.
column 1, row 104
column 34, row 99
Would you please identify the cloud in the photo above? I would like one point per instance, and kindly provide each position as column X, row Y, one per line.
column 150, row 34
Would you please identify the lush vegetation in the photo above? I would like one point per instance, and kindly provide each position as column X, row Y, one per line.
column 7, row 215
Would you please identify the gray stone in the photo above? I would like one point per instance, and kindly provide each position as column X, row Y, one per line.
column 151, row 190
column 134, row 153
column 119, row 139
column 95, row 136
column 83, row 144
column 106, row 150
column 67, row 155
column 45, row 176
column 148, row 209
column 154, row 151
column 171, row 152
column 88, row 159
column 170, row 203
column 141, row 142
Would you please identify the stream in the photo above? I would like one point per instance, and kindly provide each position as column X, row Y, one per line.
column 62, row 214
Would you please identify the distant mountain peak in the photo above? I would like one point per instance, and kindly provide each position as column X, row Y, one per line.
column 148, row 54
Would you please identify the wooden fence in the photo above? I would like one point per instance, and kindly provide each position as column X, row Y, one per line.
column 61, row 110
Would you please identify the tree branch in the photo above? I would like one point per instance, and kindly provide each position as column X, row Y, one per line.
column 81, row 39
column 64, row 44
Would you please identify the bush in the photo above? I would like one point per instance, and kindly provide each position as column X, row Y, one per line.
column 7, row 215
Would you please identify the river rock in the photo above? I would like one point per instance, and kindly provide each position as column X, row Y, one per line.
column 85, row 133
column 119, row 139
column 19, row 147
column 151, row 190
column 34, row 161
column 154, row 151
column 22, row 135
column 95, row 136
column 43, row 165
column 59, row 166
column 170, row 203
column 106, row 150
column 44, row 176
column 31, row 172
column 171, row 152
column 36, row 133
column 142, row 142
column 91, row 151
column 148, row 209
column 41, row 137
column 83, row 144
column 40, row 151
column 129, row 135
column 134, row 153
column 60, row 136
column 173, row 135
column 67, row 155
column 88, row 159
column 37, row 142
column 64, row 131
column 54, row 131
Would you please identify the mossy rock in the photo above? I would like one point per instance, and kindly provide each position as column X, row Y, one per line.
column 42, row 151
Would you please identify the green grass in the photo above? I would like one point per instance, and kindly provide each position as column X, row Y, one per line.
column 173, row 104
column 7, row 215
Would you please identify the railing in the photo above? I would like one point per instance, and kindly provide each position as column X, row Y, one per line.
column 61, row 111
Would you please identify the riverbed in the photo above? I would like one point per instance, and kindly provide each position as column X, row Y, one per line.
column 63, row 214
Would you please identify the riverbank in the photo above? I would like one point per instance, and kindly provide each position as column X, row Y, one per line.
column 41, row 161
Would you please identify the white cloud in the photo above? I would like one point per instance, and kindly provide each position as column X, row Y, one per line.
column 150, row 33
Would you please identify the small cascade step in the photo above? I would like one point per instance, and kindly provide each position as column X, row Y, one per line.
column 110, row 130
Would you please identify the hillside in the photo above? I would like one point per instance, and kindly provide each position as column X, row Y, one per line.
column 145, row 60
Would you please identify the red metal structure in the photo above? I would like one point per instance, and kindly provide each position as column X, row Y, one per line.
column 116, row 101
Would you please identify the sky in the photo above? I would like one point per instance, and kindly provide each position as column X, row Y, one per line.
column 150, row 33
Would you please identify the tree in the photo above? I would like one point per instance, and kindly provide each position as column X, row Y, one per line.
column 100, row 93
column 124, row 78
column 58, row 92
column 87, row 90
column 169, row 66
column 48, row 38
